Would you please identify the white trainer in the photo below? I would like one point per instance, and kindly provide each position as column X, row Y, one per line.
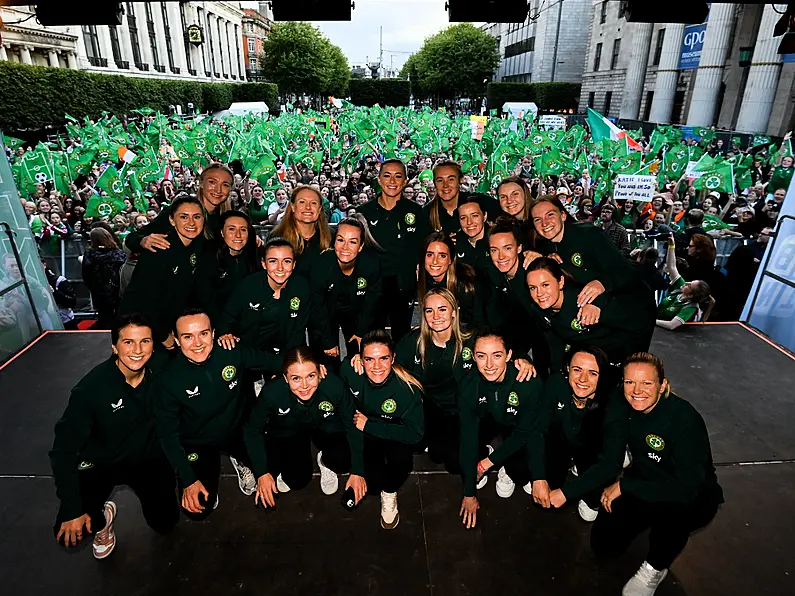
column 644, row 582
column 528, row 488
column 105, row 539
column 245, row 479
column 505, row 486
column 586, row 513
column 390, row 517
column 329, row 483
column 281, row 485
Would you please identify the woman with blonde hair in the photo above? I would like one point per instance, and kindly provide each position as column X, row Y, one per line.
column 305, row 226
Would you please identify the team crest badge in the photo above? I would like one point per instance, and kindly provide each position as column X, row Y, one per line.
column 193, row 259
column 466, row 354
column 513, row 399
column 576, row 325
column 193, row 456
column 85, row 465
column 361, row 283
column 410, row 218
column 325, row 406
column 228, row 373
column 655, row 442
column 576, row 259
column 295, row 302
column 389, row 406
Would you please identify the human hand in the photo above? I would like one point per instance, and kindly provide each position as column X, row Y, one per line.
column 469, row 510
column 610, row 494
column 266, row 491
column 170, row 342
column 190, row 497
column 589, row 314
column 529, row 257
column 357, row 339
column 334, row 352
column 155, row 242
column 323, row 371
column 359, row 420
column 72, row 530
column 557, row 499
column 525, row 368
column 359, row 485
column 541, row 493
column 356, row 363
column 589, row 293
column 228, row 341
column 555, row 257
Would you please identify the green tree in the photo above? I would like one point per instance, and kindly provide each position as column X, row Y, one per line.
column 456, row 62
column 409, row 72
column 300, row 59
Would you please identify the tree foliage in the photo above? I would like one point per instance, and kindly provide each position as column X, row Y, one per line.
column 454, row 62
column 384, row 92
column 300, row 59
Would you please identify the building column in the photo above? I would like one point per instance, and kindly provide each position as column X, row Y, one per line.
column 177, row 37
column 760, row 89
column 3, row 52
column 71, row 60
column 24, row 55
column 667, row 74
column 105, row 46
column 123, row 31
column 52, row 57
column 636, row 71
column 240, row 56
column 143, row 39
column 160, row 32
column 709, row 75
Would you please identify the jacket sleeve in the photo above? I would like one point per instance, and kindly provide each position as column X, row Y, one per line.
column 616, row 272
column 366, row 319
column 468, row 424
column 260, row 360
column 160, row 225
column 254, row 433
column 525, row 431
column 72, row 432
column 320, row 332
column 166, row 409
column 230, row 316
column 538, row 455
column 408, row 429
column 355, row 438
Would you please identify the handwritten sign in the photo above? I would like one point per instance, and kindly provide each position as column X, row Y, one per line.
column 637, row 188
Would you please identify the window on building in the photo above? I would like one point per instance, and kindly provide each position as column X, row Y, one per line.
column 185, row 28
column 91, row 39
column 597, row 57
column 169, row 49
column 253, row 63
column 647, row 108
column 252, row 45
column 114, row 44
column 133, row 27
column 608, row 101
column 679, row 104
column 616, row 52
column 150, row 25
column 603, row 13
column 520, row 47
column 592, row 99
column 622, row 9
column 658, row 47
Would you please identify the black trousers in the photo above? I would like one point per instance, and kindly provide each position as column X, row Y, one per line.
column 559, row 455
column 517, row 465
column 671, row 525
column 397, row 306
column 153, row 482
column 348, row 326
column 207, row 467
column 441, row 437
column 387, row 464
column 336, row 450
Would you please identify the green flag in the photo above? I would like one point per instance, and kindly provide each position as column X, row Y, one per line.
column 717, row 177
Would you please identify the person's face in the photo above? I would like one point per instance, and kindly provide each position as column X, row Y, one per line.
column 504, row 251
column 257, row 193
column 707, row 203
column 363, row 198
column 447, row 183
column 195, row 337
column 281, row 197
column 491, row 358
column 233, row 196
column 746, row 215
column 216, row 186
column 511, row 198
column 44, row 207
column 347, row 243
column 628, row 205
column 583, row 375
column 322, row 178
column 607, row 215
column 377, row 360
column 779, row 196
column 752, row 196
column 151, row 214
column 392, row 180
column 678, row 207
column 68, row 204
column 421, row 198
column 188, row 220
column 55, row 219
column 134, row 347
column 176, row 167
column 119, row 223
column 648, row 225
column 306, row 206
column 470, row 216
column 140, row 222
column 587, row 207
column 545, row 290
column 303, row 379
column 437, row 260
column 578, row 191
column 438, row 313
column 342, row 203
column 712, row 210
column 408, row 192
column 642, row 388
column 30, row 208
column 656, row 204
column 764, row 235
column 787, row 162
column 686, row 202
column 278, row 264
column 548, row 221
column 659, row 219
column 235, row 234
column 324, row 192
column 690, row 288
column 526, row 163
column 167, row 186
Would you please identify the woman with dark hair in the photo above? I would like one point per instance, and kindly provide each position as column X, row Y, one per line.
column 701, row 254
column 305, row 226
column 164, row 280
column 101, row 265
column 294, row 410
column 613, row 323
column 646, row 259
column 442, row 211
column 684, row 302
column 472, row 245
column 441, row 268
column 516, row 200
column 231, row 258
column 585, row 212
column 389, row 412
column 346, row 288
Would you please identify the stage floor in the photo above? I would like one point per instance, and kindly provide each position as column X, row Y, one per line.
column 310, row 546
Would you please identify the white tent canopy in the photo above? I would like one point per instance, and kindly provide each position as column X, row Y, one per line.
column 241, row 108
column 519, row 108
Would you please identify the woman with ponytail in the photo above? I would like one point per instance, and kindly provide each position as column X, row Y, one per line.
column 388, row 401
column 305, row 226
column 442, row 211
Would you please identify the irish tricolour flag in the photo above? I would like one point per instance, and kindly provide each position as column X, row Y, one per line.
column 602, row 128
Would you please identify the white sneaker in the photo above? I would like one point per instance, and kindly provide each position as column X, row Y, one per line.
column 245, row 479
column 105, row 539
column 281, row 485
column 586, row 513
column 329, row 483
column 505, row 486
column 528, row 488
column 644, row 582
column 390, row 517
column 627, row 459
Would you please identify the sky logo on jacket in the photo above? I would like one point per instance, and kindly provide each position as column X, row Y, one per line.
column 253, row 306
column 193, row 393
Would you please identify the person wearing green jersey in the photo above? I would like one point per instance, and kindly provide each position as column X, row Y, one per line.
column 305, row 226
column 163, row 281
column 199, row 408
column 294, row 410
column 215, row 184
column 398, row 226
column 106, row 438
column 683, row 302
column 346, row 289
column 389, row 413
column 671, row 486
column 492, row 402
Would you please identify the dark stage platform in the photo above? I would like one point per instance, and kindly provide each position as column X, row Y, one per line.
column 310, row 545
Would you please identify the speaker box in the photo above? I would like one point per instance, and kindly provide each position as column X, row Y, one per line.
column 490, row 11
column 79, row 13
column 312, row 10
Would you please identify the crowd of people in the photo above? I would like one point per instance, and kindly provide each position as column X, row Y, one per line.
column 530, row 365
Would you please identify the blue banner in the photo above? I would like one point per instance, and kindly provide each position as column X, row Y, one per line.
column 692, row 44
column 788, row 57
